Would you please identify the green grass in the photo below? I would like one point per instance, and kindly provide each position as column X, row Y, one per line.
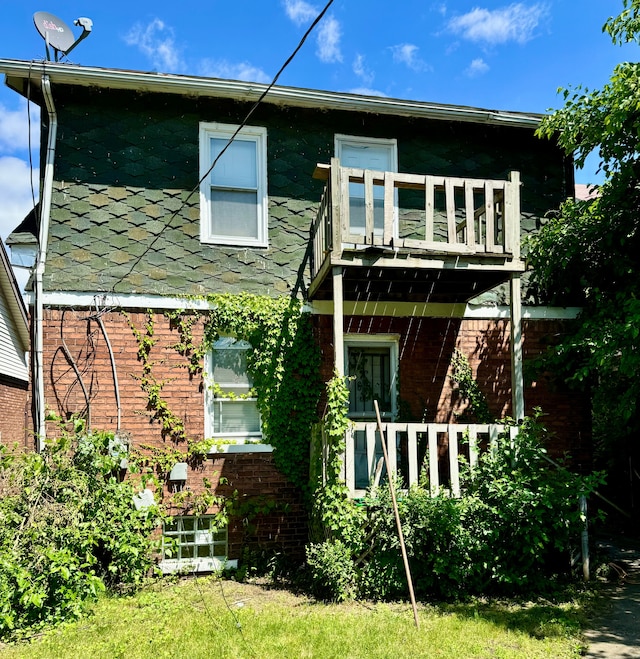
column 208, row 617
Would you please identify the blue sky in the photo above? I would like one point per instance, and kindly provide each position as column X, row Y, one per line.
column 497, row 55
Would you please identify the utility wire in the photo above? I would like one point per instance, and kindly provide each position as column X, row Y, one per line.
column 229, row 142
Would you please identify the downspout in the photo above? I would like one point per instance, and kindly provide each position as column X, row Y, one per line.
column 45, row 216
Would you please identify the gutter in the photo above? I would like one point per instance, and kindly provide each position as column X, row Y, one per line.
column 193, row 86
column 43, row 236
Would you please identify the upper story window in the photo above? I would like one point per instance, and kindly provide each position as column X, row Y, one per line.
column 233, row 197
column 378, row 154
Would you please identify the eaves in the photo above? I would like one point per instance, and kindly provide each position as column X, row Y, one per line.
column 21, row 74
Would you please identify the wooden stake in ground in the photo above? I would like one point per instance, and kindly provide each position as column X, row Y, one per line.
column 397, row 515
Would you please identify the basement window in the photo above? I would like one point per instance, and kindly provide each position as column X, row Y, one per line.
column 194, row 544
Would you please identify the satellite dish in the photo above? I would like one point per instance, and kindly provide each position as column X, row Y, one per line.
column 57, row 34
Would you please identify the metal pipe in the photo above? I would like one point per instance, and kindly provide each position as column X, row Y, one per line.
column 45, row 215
column 584, row 537
column 114, row 372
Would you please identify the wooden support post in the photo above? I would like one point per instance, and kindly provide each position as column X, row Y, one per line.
column 335, row 185
column 584, row 538
column 392, row 490
column 512, row 214
column 517, row 379
column 338, row 322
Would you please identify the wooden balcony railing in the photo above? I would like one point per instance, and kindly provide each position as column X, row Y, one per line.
column 421, row 213
column 433, row 449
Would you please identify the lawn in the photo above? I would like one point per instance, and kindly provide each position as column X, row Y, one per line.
column 210, row 617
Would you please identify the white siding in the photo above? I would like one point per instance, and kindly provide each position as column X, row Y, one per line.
column 13, row 360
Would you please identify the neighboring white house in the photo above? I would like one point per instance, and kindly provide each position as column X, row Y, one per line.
column 14, row 350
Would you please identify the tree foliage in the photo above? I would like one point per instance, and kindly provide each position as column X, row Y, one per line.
column 68, row 530
column 588, row 253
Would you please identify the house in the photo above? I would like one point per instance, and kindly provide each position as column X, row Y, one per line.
column 14, row 367
column 398, row 224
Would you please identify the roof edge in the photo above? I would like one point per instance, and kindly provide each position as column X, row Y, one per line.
column 11, row 290
column 71, row 74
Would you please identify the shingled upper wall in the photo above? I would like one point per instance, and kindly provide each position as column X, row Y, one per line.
column 125, row 208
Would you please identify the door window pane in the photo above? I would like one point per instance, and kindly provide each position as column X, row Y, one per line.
column 366, row 156
column 370, row 368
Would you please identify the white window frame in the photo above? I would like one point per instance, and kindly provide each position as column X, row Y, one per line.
column 202, row 535
column 391, row 143
column 257, row 135
column 376, row 341
column 213, row 402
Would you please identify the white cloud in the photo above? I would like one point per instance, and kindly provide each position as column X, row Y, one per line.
column 299, row 11
column 14, row 128
column 477, row 67
column 15, row 192
column 407, row 53
column 156, row 41
column 329, row 34
column 329, row 30
column 366, row 75
column 515, row 22
column 366, row 91
column 233, row 71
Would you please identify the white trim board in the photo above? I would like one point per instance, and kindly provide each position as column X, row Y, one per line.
column 320, row 307
column 125, row 301
column 441, row 310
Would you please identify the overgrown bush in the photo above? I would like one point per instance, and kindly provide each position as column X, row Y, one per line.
column 526, row 511
column 512, row 529
column 68, row 530
column 332, row 572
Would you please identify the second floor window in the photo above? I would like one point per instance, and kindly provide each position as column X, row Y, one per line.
column 233, row 197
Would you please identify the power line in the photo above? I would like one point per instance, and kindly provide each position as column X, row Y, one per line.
column 228, row 144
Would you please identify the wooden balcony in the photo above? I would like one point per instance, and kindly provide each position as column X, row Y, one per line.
column 434, row 450
column 411, row 237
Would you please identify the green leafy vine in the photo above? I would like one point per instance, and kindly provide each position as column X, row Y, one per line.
column 334, row 515
column 283, row 362
column 468, row 388
column 172, row 425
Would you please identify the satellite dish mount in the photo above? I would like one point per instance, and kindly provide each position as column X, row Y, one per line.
column 57, row 34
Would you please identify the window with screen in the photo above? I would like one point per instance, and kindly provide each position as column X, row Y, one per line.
column 233, row 195
column 232, row 410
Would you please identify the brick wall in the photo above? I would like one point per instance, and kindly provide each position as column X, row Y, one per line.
column 14, row 413
column 253, row 475
column 428, row 394
column 77, row 333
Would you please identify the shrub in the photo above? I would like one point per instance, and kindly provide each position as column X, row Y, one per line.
column 333, row 574
column 68, row 530
column 510, row 531
column 526, row 510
